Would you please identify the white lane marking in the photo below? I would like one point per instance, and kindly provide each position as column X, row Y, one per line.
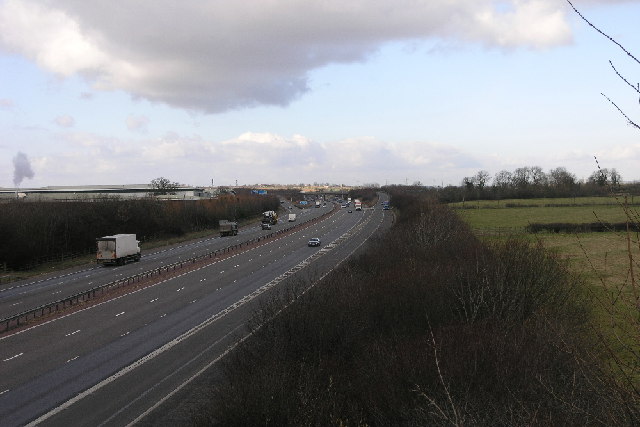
column 126, row 333
column 72, row 359
column 178, row 290
column 154, row 300
column 13, row 357
column 1, row 393
column 119, row 314
column 19, row 302
column 72, row 333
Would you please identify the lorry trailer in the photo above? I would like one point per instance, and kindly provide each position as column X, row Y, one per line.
column 228, row 228
column 117, row 249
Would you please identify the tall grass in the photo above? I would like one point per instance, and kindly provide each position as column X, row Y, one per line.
column 429, row 326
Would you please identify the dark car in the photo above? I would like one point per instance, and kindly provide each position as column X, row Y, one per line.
column 314, row 241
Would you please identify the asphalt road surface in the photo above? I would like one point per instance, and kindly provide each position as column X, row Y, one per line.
column 114, row 362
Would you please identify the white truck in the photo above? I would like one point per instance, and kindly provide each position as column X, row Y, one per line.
column 117, row 249
column 358, row 204
column 292, row 217
column 317, row 203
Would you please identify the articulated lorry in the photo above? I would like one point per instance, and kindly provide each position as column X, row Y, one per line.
column 228, row 228
column 270, row 217
column 117, row 249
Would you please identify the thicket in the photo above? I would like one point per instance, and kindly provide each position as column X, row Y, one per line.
column 429, row 326
column 37, row 230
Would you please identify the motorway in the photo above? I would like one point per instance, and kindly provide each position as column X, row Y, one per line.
column 113, row 362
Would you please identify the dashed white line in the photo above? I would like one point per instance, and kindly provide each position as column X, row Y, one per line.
column 154, row 300
column 13, row 357
column 72, row 333
column 119, row 314
column 72, row 359
column 178, row 290
column 3, row 392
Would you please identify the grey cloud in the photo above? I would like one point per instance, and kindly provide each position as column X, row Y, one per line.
column 215, row 56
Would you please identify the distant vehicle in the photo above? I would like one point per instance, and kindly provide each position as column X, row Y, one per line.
column 314, row 241
column 350, row 211
column 317, row 203
column 292, row 217
column 117, row 249
column 358, row 204
column 343, row 206
column 228, row 228
column 269, row 217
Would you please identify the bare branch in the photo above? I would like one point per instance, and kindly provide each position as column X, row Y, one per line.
column 604, row 34
column 637, row 89
column 631, row 122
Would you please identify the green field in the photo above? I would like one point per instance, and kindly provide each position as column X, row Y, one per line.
column 607, row 261
column 494, row 214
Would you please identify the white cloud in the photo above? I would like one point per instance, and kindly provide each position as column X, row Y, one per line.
column 6, row 104
column 137, row 123
column 215, row 56
column 65, row 121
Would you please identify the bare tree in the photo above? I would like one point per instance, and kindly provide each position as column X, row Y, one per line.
column 560, row 177
column 481, row 178
column 162, row 186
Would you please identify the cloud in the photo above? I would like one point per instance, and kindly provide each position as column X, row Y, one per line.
column 137, row 123
column 6, row 104
column 65, row 121
column 217, row 56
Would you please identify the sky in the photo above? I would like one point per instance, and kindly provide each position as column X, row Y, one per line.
column 352, row 92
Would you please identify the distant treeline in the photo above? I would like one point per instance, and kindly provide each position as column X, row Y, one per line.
column 428, row 326
column 36, row 230
column 533, row 182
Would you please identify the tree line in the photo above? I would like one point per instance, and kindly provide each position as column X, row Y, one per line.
column 36, row 230
column 533, row 181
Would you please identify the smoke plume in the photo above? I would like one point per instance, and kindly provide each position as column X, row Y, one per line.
column 21, row 168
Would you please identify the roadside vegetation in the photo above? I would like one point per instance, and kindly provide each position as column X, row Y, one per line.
column 599, row 239
column 34, row 232
column 429, row 326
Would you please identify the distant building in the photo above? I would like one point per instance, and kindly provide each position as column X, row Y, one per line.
column 131, row 191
